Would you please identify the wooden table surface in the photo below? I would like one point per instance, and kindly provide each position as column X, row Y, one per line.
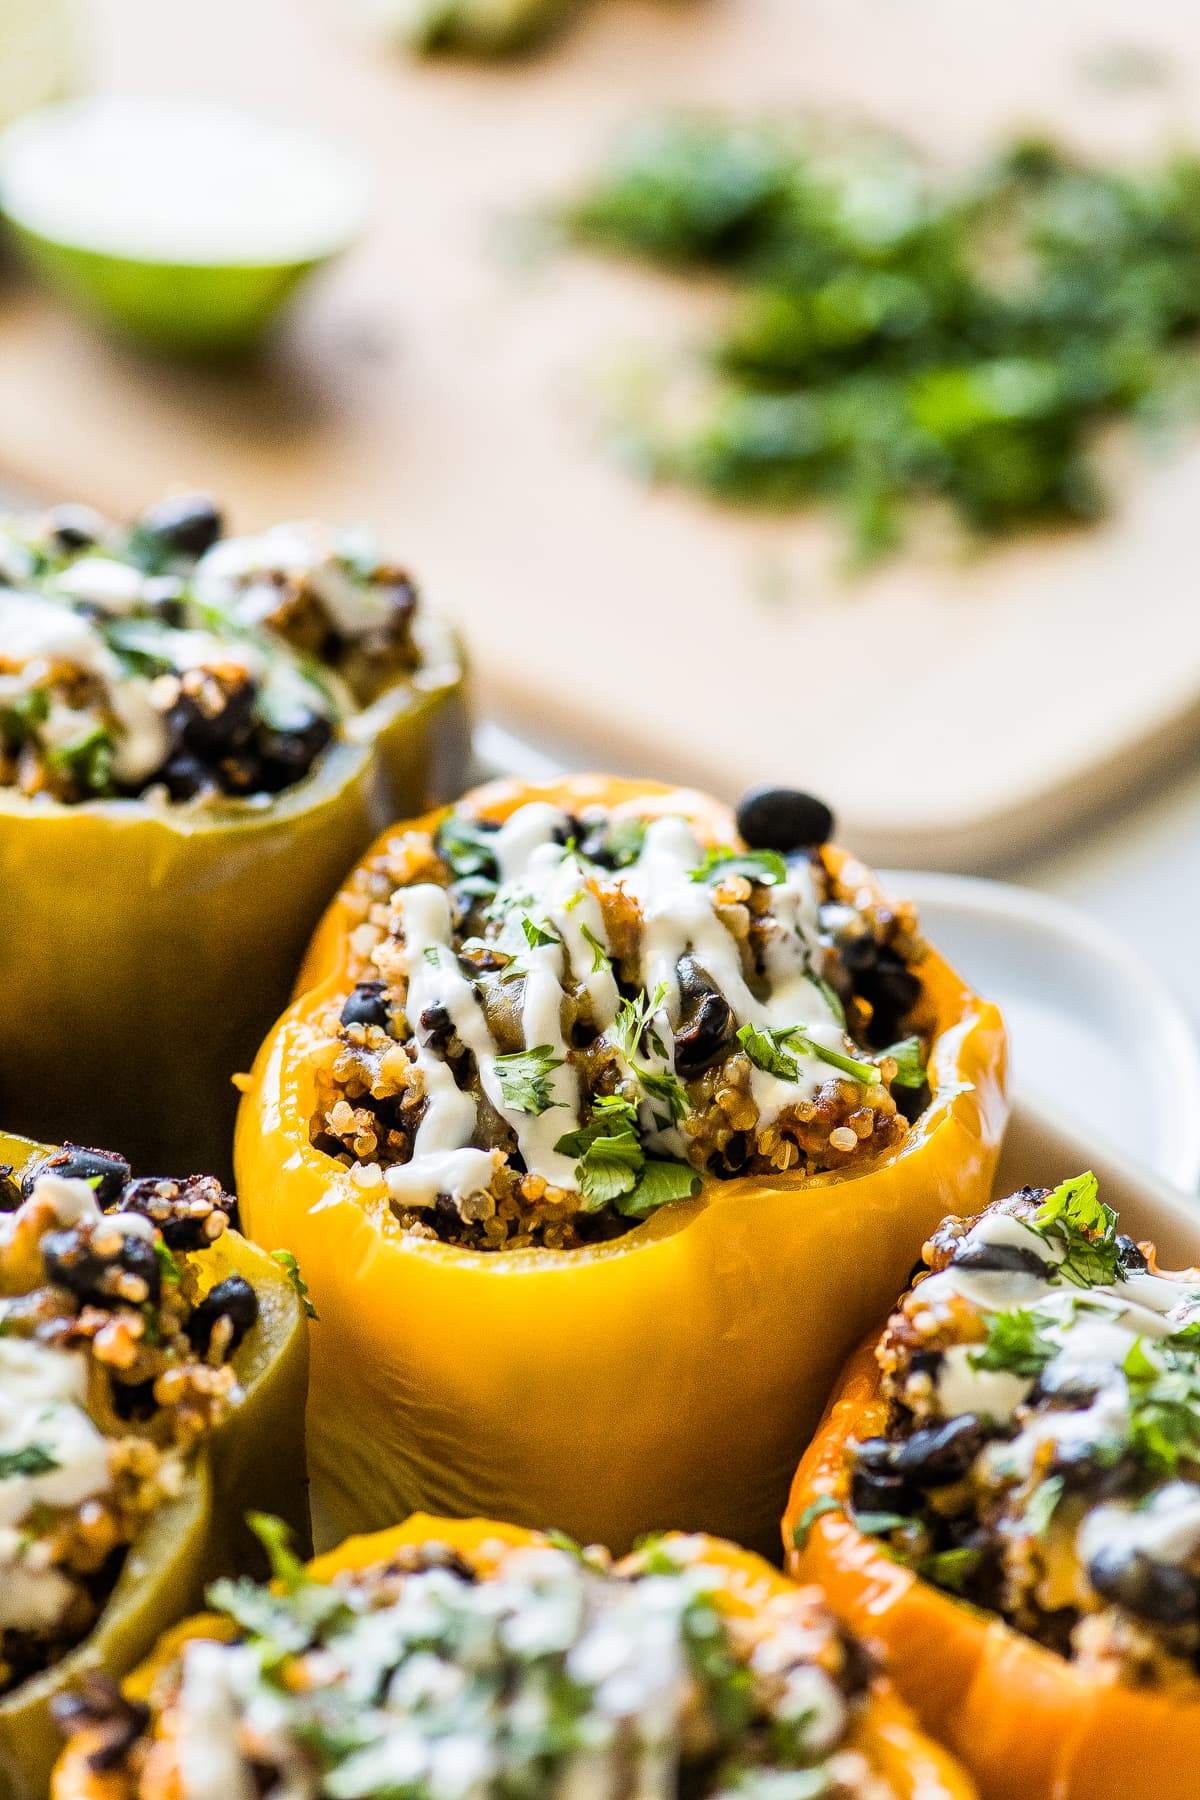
column 951, row 710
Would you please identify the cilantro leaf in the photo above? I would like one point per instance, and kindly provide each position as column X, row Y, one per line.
column 524, row 1078
column 816, row 1509
column 600, row 957
column 879, row 1524
column 910, row 1071
column 763, row 1049
column 31, row 1459
column 950, row 1569
column 291, row 1269
column 1074, row 1217
column 276, row 1539
column 537, row 936
column 87, row 760
column 633, row 1023
column 469, row 847
column 768, row 1050
column 661, row 1180
column 1042, row 1504
column 609, row 1150
column 765, row 866
column 1014, row 1344
column 667, row 1091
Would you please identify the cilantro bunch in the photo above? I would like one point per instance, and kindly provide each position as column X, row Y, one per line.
column 892, row 337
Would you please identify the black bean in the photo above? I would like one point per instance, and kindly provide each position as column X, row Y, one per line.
column 81, row 1162
column 190, row 1214
column 939, row 1455
column 1100, row 1475
column 184, row 524
column 1132, row 1256
column 771, row 818
column 72, row 1261
column 708, row 1024
column 882, row 979
column 219, row 730
column 1159, row 1592
column 233, row 1299
column 74, row 527
column 10, row 1189
column 367, row 1005
column 185, row 776
column 705, row 1036
column 875, row 1483
column 1000, row 1259
column 437, row 1027
column 287, row 756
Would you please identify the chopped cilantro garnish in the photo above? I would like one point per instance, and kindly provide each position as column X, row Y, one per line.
column 276, row 1539
column 768, row 1050
column 31, row 1459
column 538, row 936
column 950, row 1569
column 600, row 960
column 524, row 1078
column 21, row 714
column 609, row 1151
column 1163, row 1378
column 661, row 1180
column 879, row 1524
column 816, row 1509
column 468, row 847
column 1074, row 1217
column 168, row 1265
column 633, row 1023
column 765, row 866
column 1042, row 1505
column 666, row 1091
column 613, row 1169
column 87, row 759
column 291, row 1269
column 1014, row 1344
column 910, row 1070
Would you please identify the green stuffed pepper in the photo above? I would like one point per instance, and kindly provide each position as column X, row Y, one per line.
column 198, row 735
column 152, row 1374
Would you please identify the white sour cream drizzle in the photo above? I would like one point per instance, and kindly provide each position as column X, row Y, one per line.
column 239, row 578
column 542, row 881
column 43, row 1395
column 1094, row 1328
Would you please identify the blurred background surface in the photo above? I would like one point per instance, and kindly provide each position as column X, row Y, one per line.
column 1030, row 711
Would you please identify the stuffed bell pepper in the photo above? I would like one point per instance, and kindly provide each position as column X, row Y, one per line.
column 449, row 1659
column 197, row 734
column 1006, row 1493
column 152, row 1369
column 587, row 1091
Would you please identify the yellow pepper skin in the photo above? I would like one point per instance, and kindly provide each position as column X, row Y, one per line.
column 660, row 1379
column 916, row 1768
column 255, row 1460
column 145, row 950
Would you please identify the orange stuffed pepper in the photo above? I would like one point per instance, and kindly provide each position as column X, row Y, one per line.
column 588, row 1095
column 451, row 1658
column 1005, row 1493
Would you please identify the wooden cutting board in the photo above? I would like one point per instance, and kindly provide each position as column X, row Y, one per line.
column 952, row 711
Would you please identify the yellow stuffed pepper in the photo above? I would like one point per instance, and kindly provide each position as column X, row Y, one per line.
column 152, row 1375
column 449, row 1657
column 601, row 1130
column 1005, row 1493
column 197, row 734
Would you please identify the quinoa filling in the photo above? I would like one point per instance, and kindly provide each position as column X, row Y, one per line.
column 557, row 1673
column 1042, row 1449
column 112, row 1368
column 167, row 659
column 560, row 1023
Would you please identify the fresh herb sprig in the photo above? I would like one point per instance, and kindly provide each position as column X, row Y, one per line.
column 770, row 1050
